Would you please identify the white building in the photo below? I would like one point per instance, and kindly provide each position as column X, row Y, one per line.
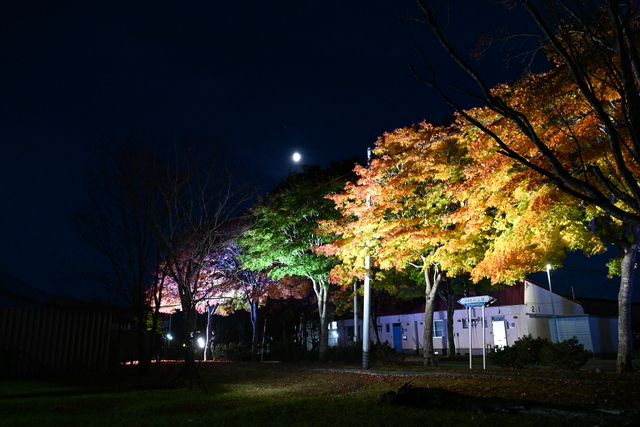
column 523, row 309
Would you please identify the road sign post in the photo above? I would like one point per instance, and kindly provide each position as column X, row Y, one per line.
column 469, row 303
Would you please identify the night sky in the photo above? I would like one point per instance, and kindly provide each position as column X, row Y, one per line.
column 266, row 78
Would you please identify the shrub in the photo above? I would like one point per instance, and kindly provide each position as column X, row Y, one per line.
column 524, row 352
column 384, row 354
column 351, row 354
column 506, row 357
column 379, row 353
column 232, row 353
column 529, row 351
column 568, row 354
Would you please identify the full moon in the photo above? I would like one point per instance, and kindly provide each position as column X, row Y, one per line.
column 296, row 157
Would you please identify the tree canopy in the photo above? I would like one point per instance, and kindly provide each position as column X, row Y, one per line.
column 576, row 126
column 283, row 235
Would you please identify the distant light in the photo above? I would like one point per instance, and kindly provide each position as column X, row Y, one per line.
column 296, row 157
column 200, row 342
column 169, row 337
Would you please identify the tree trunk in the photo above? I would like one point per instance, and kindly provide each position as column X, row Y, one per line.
column 447, row 294
column 190, row 322
column 432, row 276
column 145, row 348
column 375, row 309
column 356, row 331
column 145, row 340
column 625, row 347
column 322, row 293
column 208, row 349
column 253, row 313
column 451, row 342
column 324, row 337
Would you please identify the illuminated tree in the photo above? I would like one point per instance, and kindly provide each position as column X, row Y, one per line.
column 213, row 292
column 284, row 234
column 511, row 220
column 394, row 212
column 443, row 201
column 251, row 288
column 539, row 216
column 225, row 287
column 594, row 47
column 201, row 193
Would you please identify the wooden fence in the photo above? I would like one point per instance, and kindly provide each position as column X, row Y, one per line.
column 53, row 340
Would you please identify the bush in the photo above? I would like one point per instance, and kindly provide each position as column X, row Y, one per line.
column 529, row 351
column 506, row 357
column 384, row 354
column 379, row 353
column 351, row 354
column 232, row 353
column 524, row 352
column 568, row 354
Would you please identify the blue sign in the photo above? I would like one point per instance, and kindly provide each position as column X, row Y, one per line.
column 478, row 301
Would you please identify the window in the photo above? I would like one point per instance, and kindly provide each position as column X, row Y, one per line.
column 465, row 323
column 438, row 328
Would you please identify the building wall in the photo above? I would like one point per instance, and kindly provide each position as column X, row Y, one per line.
column 604, row 332
column 503, row 325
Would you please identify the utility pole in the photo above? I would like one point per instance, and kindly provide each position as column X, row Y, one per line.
column 553, row 307
column 367, row 294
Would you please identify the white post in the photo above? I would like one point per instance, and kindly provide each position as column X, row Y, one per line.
column 365, row 315
column 367, row 297
column 484, row 342
column 553, row 307
column 470, row 346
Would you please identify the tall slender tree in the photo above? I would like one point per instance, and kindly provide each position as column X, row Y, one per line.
column 394, row 212
column 251, row 288
column 284, row 233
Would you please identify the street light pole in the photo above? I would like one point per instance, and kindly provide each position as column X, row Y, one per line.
column 367, row 294
column 553, row 307
column 366, row 314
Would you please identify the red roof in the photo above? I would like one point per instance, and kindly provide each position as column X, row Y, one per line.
column 508, row 295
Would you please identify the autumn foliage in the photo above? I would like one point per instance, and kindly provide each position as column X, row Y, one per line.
column 549, row 164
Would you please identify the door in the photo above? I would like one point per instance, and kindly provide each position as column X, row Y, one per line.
column 499, row 333
column 397, row 337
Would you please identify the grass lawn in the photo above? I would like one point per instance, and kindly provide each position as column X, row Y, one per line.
column 240, row 394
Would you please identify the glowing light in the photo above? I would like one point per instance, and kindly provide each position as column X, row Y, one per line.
column 200, row 342
column 169, row 337
column 296, row 157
